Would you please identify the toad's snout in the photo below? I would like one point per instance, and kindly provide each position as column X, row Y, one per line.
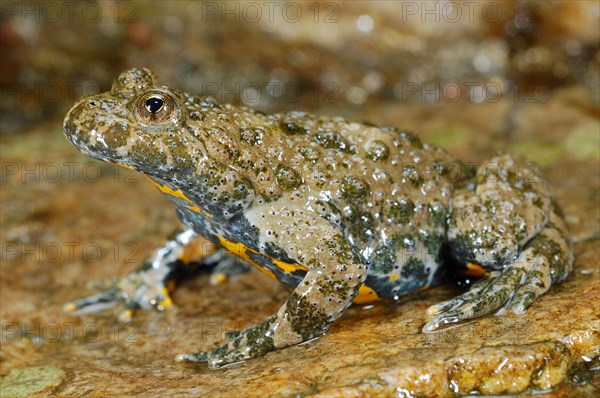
column 97, row 125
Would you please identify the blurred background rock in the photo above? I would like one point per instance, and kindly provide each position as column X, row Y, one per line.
column 322, row 56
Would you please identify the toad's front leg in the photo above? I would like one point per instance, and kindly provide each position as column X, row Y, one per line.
column 334, row 274
column 150, row 285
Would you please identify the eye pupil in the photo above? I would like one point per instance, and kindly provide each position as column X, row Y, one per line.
column 154, row 104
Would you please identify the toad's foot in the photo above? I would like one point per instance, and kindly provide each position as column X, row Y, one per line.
column 545, row 260
column 136, row 290
column 150, row 285
column 248, row 343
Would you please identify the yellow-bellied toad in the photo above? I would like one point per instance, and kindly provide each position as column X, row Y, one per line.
column 340, row 211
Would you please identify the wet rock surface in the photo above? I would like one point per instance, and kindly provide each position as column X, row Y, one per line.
column 64, row 237
column 70, row 225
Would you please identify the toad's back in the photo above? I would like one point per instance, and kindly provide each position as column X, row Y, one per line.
column 384, row 189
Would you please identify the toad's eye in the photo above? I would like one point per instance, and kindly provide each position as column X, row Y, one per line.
column 157, row 107
column 154, row 104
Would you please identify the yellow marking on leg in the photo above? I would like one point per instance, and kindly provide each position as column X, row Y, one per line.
column 474, row 270
column 126, row 316
column 218, row 278
column 241, row 250
column 287, row 267
column 69, row 307
column 365, row 295
column 166, row 302
column 393, row 277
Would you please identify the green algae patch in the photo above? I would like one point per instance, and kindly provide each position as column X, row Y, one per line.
column 32, row 380
column 448, row 137
column 584, row 142
column 542, row 155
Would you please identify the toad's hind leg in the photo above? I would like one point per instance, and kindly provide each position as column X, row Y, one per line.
column 545, row 260
column 508, row 224
column 328, row 288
